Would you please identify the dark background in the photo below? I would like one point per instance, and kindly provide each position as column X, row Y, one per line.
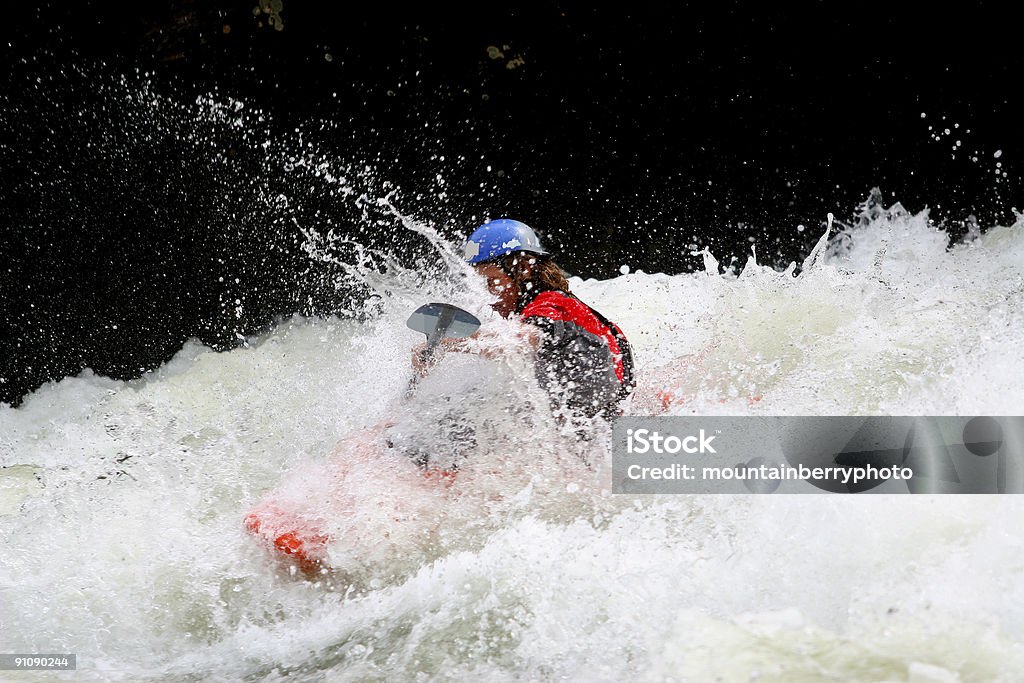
column 626, row 136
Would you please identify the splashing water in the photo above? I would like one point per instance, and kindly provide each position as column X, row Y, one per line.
column 121, row 502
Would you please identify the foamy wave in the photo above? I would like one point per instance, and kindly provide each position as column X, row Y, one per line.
column 122, row 501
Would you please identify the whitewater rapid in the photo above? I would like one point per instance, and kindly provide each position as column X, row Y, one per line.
column 121, row 502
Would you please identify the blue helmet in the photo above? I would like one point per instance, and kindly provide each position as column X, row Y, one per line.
column 499, row 237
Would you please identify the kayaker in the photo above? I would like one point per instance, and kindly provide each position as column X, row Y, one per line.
column 583, row 359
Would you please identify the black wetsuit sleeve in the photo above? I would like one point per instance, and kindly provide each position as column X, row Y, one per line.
column 575, row 367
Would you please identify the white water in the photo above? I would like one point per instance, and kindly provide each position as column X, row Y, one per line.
column 531, row 568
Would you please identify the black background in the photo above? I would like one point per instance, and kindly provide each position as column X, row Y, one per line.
column 625, row 136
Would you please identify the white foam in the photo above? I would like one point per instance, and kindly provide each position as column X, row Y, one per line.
column 130, row 551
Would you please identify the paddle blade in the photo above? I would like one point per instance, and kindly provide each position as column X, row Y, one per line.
column 450, row 321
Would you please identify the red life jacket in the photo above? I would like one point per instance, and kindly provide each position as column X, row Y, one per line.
column 566, row 307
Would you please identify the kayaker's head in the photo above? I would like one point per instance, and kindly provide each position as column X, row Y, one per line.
column 517, row 267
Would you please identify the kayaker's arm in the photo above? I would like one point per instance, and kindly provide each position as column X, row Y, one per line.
column 485, row 344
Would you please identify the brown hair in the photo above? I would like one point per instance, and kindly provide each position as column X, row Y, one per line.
column 533, row 274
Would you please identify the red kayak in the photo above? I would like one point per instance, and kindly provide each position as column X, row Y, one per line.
column 320, row 502
column 300, row 540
